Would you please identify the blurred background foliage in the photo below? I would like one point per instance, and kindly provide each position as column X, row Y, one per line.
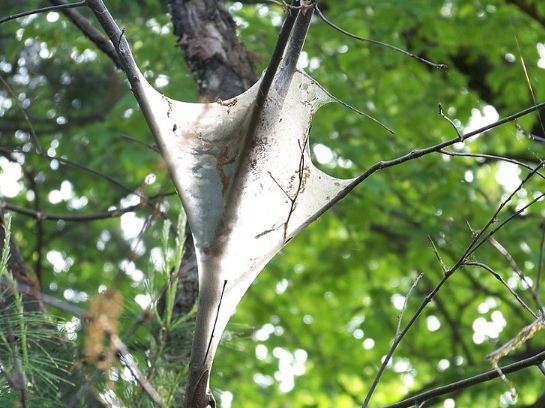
column 314, row 328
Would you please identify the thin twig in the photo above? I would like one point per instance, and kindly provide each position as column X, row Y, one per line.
column 90, row 31
column 38, row 215
column 417, row 153
column 506, row 221
column 27, row 119
column 498, row 277
column 346, row 105
column 449, row 120
column 490, row 157
column 406, row 301
column 413, row 155
column 137, row 374
column 41, row 297
column 215, row 322
column 494, row 242
column 42, row 10
column 87, row 169
column 437, row 255
column 468, row 382
column 476, row 242
column 392, row 47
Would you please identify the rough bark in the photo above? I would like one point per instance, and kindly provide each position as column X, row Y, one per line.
column 206, row 34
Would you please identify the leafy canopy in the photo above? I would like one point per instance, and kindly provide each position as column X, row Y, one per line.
column 314, row 328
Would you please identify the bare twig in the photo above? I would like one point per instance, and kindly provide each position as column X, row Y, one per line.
column 43, row 297
column 449, row 120
column 498, row 277
column 416, row 154
column 42, row 10
column 392, row 47
column 215, row 322
column 137, row 374
column 502, row 250
column 468, row 382
column 23, row 111
column 490, row 157
column 478, row 239
column 38, row 215
column 95, row 36
column 437, row 255
column 507, row 220
column 346, row 105
column 85, row 168
column 400, row 316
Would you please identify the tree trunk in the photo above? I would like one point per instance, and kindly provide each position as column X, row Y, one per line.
column 206, row 34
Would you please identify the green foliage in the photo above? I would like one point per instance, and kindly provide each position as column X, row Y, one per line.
column 26, row 341
column 313, row 330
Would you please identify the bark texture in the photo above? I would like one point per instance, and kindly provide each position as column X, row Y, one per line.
column 206, row 34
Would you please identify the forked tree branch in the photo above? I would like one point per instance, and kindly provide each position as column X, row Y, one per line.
column 416, row 154
column 291, row 37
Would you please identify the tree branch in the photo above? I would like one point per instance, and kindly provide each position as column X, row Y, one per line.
column 416, row 154
column 460, row 385
column 63, row 6
column 39, row 215
column 478, row 239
